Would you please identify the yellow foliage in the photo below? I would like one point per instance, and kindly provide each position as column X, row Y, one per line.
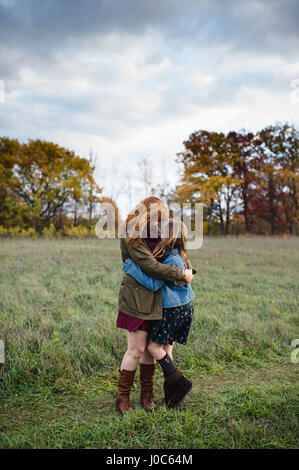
column 77, row 232
column 49, row 232
column 30, row 232
column 13, row 232
column 3, row 231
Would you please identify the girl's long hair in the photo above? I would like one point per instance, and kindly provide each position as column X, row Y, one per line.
column 140, row 217
column 177, row 238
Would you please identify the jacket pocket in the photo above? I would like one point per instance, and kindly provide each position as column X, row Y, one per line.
column 134, row 296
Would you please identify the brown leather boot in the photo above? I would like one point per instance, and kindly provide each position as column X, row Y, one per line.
column 147, row 372
column 125, row 383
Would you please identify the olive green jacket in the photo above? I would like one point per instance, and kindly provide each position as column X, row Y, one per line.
column 136, row 300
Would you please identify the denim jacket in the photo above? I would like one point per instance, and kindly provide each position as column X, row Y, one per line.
column 172, row 295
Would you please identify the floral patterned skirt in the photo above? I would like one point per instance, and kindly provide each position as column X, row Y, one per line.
column 174, row 326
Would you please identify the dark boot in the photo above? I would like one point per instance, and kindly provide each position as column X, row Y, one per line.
column 168, row 390
column 147, row 373
column 125, row 383
column 181, row 388
column 169, row 385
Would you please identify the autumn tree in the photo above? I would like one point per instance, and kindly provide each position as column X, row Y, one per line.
column 44, row 177
column 12, row 209
column 207, row 176
column 281, row 146
column 244, row 154
column 268, row 201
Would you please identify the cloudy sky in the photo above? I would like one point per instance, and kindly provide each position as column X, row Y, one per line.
column 132, row 79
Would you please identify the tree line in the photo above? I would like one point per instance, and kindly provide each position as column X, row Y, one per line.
column 247, row 182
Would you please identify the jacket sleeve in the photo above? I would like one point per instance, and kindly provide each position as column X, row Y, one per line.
column 143, row 256
column 178, row 261
column 130, row 267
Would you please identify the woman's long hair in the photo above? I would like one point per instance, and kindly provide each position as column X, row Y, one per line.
column 177, row 233
column 137, row 224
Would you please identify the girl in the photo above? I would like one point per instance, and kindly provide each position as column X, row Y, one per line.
column 177, row 309
column 138, row 306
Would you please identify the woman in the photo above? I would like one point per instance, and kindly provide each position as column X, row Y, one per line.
column 138, row 306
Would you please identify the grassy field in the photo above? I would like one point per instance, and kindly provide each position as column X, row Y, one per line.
column 58, row 307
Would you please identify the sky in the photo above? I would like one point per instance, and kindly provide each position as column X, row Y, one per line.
column 132, row 79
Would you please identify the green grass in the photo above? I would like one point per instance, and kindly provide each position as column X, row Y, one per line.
column 58, row 307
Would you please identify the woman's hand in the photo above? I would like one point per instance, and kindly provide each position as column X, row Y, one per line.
column 188, row 275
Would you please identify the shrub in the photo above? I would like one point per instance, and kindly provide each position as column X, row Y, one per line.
column 49, row 232
column 77, row 232
column 19, row 232
column 3, row 231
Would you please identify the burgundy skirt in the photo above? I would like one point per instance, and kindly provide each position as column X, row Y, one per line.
column 133, row 324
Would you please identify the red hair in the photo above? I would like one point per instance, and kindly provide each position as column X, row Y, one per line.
column 143, row 214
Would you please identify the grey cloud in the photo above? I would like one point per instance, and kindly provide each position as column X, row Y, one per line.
column 44, row 34
column 258, row 25
column 38, row 33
